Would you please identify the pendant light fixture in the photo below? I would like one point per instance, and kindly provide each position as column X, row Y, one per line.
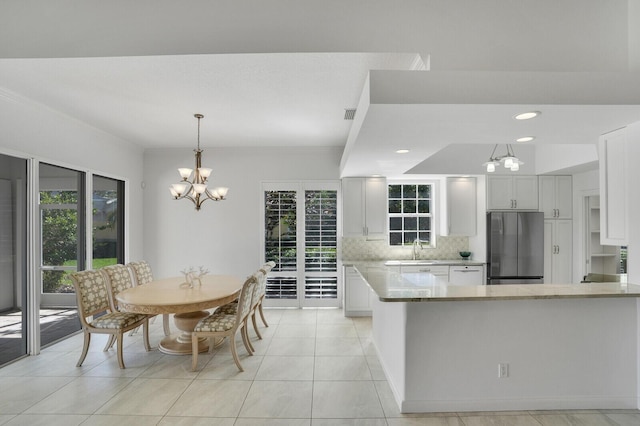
column 509, row 160
column 193, row 185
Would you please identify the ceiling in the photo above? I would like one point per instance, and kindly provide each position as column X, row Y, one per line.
column 440, row 78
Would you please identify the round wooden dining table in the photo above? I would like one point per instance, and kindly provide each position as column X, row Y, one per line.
column 187, row 303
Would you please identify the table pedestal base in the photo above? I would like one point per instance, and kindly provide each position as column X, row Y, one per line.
column 180, row 344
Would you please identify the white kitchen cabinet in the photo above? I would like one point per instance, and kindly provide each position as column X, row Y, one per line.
column 555, row 199
column 437, row 270
column 512, row 192
column 357, row 294
column 612, row 150
column 466, row 274
column 461, row 207
column 364, row 203
column 558, row 247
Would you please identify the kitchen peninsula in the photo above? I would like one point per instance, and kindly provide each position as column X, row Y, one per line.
column 505, row 347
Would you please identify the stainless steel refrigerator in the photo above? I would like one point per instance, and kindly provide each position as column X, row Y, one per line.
column 515, row 247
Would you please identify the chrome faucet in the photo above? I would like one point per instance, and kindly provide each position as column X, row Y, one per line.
column 416, row 243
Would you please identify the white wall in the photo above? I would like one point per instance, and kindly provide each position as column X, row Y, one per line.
column 30, row 130
column 223, row 236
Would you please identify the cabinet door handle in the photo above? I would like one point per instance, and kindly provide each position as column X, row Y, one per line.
column 515, row 204
column 466, row 270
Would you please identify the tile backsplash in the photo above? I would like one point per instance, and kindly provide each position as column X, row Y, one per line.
column 359, row 248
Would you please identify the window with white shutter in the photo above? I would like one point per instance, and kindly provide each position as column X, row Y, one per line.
column 301, row 237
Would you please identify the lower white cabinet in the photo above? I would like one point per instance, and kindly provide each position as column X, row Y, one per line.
column 466, row 275
column 357, row 294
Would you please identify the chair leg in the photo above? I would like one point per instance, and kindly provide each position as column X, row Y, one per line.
column 110, row 342
column 245, row 336
column 194, row 351
column 85, row 348
column 120, row 357
column 234, row 352
column 264, row 321
column 145, row 335
column 255, row 324
column 165, row 324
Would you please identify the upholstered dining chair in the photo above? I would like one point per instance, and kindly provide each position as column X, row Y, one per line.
column 232, row 307
column 97, row 315
column 143, row 275
column 266, row 268
column 220, row 324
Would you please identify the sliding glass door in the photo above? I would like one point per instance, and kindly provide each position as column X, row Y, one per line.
column 13, row 258
column 62, row 251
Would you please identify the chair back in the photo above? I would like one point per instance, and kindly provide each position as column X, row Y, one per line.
column 262, row 283
column 258, row 288
column 118, row 279
column 91, row 293
column 246, row 296
column 142, row 272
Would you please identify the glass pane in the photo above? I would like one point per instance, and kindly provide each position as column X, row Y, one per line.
column 395, row 223
column 395, row 206
column 395, row 191
column 409, row 191
column 424, row 206
column 280, row 229
column 410, row 237
column 13, row 255
column 62, row 240
column 107, row 211
column 425, row 237
column 409, row 206
column 395, row 238
column 59, row 234
column 410, row 223
column 424, row 191
column 424, row 223
column 321, row 231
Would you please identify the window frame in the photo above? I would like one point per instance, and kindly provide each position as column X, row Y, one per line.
column 433, row 214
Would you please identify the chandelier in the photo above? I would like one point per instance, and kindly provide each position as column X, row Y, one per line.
column 195, row 189
column 509, row 160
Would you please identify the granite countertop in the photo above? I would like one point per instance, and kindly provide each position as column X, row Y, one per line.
column 391, row 286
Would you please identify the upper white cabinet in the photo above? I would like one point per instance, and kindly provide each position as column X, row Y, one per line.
column 364, row 203
column 512, row 192
column 461, row 207
column 555, row 198
column 612, row 150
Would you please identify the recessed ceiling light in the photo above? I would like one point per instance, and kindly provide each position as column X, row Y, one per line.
column 525, row 139
column 527, row 115
column 402, row 151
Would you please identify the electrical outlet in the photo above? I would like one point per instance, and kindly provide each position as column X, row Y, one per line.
column 503, row 371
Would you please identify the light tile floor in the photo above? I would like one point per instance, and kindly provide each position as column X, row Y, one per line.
column 313, row 367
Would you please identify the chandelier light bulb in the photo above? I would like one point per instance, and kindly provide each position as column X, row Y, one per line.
column 508, row 162
column 515, row 167
column 184, row 173
column 491, row 167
